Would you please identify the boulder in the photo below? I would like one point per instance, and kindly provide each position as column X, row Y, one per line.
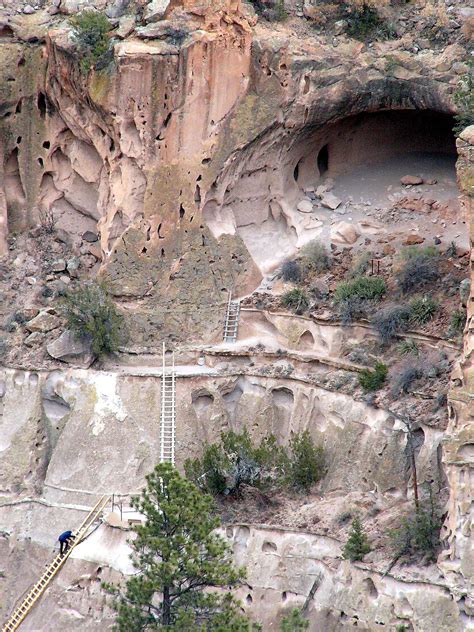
column 156, row 10
column 305, row 206
column 58, row 266
column 413, row 240
column 68, row 348
column 73, row 266
column 411, row 180
column 344, row 233
column 43, row 322
column 329, row 200
column 33, row 339
column 90, row 237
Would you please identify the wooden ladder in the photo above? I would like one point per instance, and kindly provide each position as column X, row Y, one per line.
column 168, row 412
column 21, row 611
column 231, row 325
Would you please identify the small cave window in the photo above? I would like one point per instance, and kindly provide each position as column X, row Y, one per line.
column 197, row 194
column 296, row 171
column 46, row 144
column 41, row 103
column 181, row 211
column 6, row 31
column 18, row 107
column 323, row 160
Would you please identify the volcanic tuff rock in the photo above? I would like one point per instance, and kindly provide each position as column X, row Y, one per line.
column 188, row 159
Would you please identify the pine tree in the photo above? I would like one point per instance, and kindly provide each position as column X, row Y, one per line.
column 358, row 544
column 294, row 622
column 178, row 556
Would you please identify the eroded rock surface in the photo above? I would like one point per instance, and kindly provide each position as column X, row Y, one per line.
column 214, row 148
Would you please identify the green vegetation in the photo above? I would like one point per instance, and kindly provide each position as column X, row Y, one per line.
column 422, row 309
column 296, row 300
column 360, row 264
column 364, row 22
column 408, row 346
column 291, row 271
column 235, row 461
column 391, row 320
column 90, row 31
column 404, row 376
column 91, row 315
column 280, row 11
column 419, row 268
column 464, row 100
column 273, row 10
column 358, row 544
column 316, row 256
column 178, row 555
column 307, row 462
column 419, row 532
column 362, row 288
column 373, row 380
column 411, row 252
column 457, row 322
column 294, row 622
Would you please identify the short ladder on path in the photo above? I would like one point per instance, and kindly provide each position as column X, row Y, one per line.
column 231, row 326
column 168, row 411
column 21, row 611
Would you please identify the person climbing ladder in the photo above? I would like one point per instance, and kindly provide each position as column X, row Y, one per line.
column 64, row 541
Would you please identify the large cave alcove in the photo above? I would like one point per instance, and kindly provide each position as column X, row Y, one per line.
column 361, row 157
column 397, row 142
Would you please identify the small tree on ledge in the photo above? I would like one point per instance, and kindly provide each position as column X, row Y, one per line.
column 178, row 557
column 358, row 544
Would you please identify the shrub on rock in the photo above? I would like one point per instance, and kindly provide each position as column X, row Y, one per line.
column 357, row 546
column 92, row 316
column 90, row 31
column 373, row 380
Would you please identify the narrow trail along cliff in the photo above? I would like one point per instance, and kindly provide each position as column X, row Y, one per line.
column 274, row 201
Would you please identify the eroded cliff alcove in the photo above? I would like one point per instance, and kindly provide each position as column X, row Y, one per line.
column 211, row 150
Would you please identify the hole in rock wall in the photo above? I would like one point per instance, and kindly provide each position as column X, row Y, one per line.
column 376, row 149
column 306, row 341
column 323, row 160
column 201, row 401
column 365, row 155
column 466, row 452
column 370, row 588
column 41, row 103
column 269, row 547
column 283, row 402
column 6, row 31
column 231, row 399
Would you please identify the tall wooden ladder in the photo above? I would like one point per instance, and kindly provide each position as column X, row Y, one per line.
column 168, row 411
column 231, row 325
column 21, row 611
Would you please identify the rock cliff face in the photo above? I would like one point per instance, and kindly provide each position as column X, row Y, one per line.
column 189, row 164
column 457, row 561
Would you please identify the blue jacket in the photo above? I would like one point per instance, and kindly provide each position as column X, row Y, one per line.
column 65, row 536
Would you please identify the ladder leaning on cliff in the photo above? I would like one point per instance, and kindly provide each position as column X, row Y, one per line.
column 231, row 325
column 168, row 411
column 22, row 610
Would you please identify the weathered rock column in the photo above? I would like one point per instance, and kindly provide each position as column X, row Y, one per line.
column 457, row 562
